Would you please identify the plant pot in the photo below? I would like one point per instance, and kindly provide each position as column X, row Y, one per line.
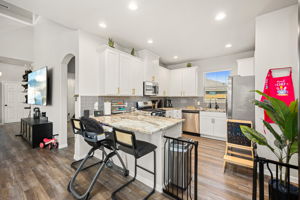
column 278, row 191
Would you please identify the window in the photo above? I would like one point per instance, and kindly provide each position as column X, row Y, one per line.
column 215, row 85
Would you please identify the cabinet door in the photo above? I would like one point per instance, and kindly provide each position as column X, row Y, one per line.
column 163, row 80
column 206, row 126
column 125, row 75
column 151, row 70
column 111, row 73
column 189, row 81
column 220, row 127
column 175, row 83
column 136, row 77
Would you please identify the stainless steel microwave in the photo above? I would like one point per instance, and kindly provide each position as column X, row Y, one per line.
column 150, row 88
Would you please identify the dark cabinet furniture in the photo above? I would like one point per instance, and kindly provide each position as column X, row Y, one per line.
column 35, row 130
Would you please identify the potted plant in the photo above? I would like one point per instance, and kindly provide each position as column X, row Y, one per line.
column 285, row 143
column 132, row 52
column 111, row 43
column 189, row 64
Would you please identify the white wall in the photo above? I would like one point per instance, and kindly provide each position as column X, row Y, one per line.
column 215, row 64
column 11, row 72
column 276, row 46
column 88, row 62
column 52, row 42
column 17, row 43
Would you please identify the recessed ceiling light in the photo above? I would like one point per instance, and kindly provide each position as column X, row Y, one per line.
column 220, row 16
column 133, row 6
column 102, row 25
column 150, row 41
column 175, row 57
column 228, row 45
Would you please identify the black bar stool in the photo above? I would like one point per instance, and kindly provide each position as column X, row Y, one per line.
column 127, row 142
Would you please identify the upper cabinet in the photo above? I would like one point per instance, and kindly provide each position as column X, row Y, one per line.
column 163, row 81
column 122, row 73
column 184, row 82
column 245, row 67
column 151, row 65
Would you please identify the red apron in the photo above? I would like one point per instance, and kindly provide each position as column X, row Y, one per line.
column 281, row 88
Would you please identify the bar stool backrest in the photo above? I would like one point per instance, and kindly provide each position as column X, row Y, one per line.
column 125, row 138
column 91, row 125
column 77, row 126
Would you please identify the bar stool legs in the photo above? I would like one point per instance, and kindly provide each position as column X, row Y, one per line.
column 113, row 196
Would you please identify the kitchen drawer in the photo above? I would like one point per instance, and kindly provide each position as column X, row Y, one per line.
column 213, row 114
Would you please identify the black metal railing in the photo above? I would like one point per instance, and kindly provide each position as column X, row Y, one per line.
column 276, row 188
column 180, row 168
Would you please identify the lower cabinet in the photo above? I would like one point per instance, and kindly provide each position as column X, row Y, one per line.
column 213, row 125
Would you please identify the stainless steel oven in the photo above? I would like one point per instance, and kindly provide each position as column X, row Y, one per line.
column 150, row 88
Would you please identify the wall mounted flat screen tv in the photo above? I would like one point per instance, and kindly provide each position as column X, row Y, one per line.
column 37, row 87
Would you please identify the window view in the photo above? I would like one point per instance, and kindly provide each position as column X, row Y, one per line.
column 215, row 85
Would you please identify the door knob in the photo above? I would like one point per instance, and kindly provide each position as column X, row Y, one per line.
column 5, row 105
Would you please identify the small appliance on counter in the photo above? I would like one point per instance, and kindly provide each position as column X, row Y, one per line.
column 118, row 106
column 148, row 107
column 168, row 103
column 150, row 88
column 36, row 113
column 107, row 108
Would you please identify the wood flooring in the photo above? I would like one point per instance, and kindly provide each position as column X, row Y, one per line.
column 32, row 174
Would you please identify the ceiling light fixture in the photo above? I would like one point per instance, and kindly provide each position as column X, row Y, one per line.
column 175, row 57
column 150, row 41
column 133, row 6
column 228, row 45
column 102, row 25
column 220, row 16
column 0, row 73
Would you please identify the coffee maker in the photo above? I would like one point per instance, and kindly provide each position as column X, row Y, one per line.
column 36, row 113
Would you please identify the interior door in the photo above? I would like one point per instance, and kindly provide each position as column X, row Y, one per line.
column 13, row 102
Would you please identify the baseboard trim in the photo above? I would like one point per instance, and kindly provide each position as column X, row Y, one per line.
column 62, row 146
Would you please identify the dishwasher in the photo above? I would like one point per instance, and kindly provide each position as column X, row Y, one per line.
column 191, row 122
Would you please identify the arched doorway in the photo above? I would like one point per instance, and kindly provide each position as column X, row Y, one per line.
column 68, row 63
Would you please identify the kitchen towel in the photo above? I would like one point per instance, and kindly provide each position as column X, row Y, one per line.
column 281, row 88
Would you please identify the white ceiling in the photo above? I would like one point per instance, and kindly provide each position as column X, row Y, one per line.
column 185, row 28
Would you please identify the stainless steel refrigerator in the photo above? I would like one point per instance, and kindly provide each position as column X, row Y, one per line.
column 239, row 98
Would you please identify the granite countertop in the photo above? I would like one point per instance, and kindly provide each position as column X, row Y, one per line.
column 138, row 122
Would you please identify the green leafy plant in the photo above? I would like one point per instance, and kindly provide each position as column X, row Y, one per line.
column 132, row 52
column 189, row 65
column 286, row 140
column 111, row 43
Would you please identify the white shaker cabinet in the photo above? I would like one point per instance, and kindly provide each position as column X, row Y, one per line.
column 163, row 81
column 184, row 82
column 175, row 82
column 125, row 87
column 136, row 77
column 122, row 72
column 151, row 64
column 111, row 72
column 189, row 81
column 213, row 125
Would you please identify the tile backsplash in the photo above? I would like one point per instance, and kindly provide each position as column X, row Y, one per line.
column 87, row 102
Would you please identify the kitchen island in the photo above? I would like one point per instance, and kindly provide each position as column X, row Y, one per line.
column 147, row 128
